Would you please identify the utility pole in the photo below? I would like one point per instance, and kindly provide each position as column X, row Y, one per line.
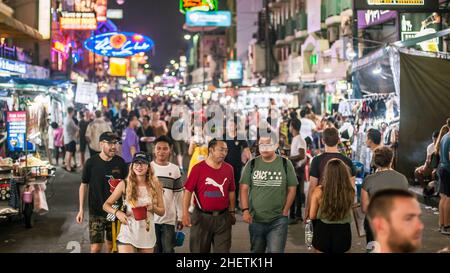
column 355, row 30
column 268, row 44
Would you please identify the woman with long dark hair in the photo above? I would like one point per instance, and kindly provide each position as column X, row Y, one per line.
column 331, row 205
column 436, row 161
column 142, row 191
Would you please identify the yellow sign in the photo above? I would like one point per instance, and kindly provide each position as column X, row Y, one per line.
column 397, row 2
column 59, row 47
column 402, row 5
column 78, row 21
column 118, row 67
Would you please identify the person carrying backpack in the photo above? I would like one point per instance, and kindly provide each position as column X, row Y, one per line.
column 267, row 190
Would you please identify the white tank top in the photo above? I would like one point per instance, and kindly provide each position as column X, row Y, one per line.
column 135, row 232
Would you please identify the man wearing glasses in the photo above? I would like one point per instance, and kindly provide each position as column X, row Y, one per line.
column 97, row 173
column 212, row 184
column 267, row 190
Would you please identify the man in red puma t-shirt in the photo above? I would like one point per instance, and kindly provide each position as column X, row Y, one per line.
column 212, row 183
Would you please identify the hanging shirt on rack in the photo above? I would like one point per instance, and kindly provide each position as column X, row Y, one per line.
column 345, row 108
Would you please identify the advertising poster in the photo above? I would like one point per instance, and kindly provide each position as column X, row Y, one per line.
column 16, row 127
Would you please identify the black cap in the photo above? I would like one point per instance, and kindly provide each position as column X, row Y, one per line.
column 141, row 157
column 109, row 137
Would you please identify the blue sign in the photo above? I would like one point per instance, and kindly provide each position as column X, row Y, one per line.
column 13, row 66
column 234, row 70
column 208, row 19
column 119, row 44
column 16, row 128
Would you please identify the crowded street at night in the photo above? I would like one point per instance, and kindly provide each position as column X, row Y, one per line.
column 226, row 127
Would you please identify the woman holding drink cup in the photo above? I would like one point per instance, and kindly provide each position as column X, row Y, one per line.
column 143, row 197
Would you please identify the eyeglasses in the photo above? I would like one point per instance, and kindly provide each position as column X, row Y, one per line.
column 140, row 164
column 266, row 147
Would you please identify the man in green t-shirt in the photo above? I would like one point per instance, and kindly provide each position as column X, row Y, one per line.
column 268, row 187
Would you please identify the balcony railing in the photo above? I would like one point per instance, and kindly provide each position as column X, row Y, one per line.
column 15, row 54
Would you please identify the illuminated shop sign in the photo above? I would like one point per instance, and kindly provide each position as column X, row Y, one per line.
column 208, row 19
column 234, row 70
column 44, row 18
column 60, row 47
column 114, row 14
column 198, row 5
column 415, row 25
column 101, row 8
column 396, row 4
column 367, row 18
column 78, row 21
column 119, row 44
column 12, row 66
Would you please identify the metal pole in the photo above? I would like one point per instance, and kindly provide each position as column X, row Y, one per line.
column 203, row 61
column 355, row 30
column 268, row 45
column 95, row 72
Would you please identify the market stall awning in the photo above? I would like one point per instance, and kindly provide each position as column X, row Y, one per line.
column 12, row 28
column 39, row 82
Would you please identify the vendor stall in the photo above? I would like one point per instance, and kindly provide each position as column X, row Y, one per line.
column 29, row 106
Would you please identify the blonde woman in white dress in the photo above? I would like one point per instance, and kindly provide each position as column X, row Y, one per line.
column 141, row 189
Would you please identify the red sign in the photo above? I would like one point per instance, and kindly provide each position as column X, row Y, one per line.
column 19, row 116
column 101, row 8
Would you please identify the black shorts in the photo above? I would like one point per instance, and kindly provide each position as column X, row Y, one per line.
column 83, row 145
column 331, row 238
column 71, row 147
column 444, row 179
column 179, row 147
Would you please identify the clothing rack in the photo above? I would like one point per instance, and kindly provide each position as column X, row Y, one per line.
column 382, row 95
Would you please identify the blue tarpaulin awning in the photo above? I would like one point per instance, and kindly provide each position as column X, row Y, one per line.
column 39, row 82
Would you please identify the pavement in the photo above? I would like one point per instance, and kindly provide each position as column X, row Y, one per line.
column 57, row 231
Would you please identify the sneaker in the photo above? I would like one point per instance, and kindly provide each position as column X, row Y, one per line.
column 445, row 230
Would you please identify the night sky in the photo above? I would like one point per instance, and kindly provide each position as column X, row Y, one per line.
column 161, row 20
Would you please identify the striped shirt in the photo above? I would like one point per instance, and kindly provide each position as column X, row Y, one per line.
column 170, row 178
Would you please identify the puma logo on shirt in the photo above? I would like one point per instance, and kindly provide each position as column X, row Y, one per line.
column 210, row 181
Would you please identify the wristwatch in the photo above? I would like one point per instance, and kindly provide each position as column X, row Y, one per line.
column 243, row 210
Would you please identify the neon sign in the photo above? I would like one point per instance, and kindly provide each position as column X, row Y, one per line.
column 60, row 47
column 208, row 19
column 397, row 5
column 198, row 5
column 78, row 21
column 119, row 44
